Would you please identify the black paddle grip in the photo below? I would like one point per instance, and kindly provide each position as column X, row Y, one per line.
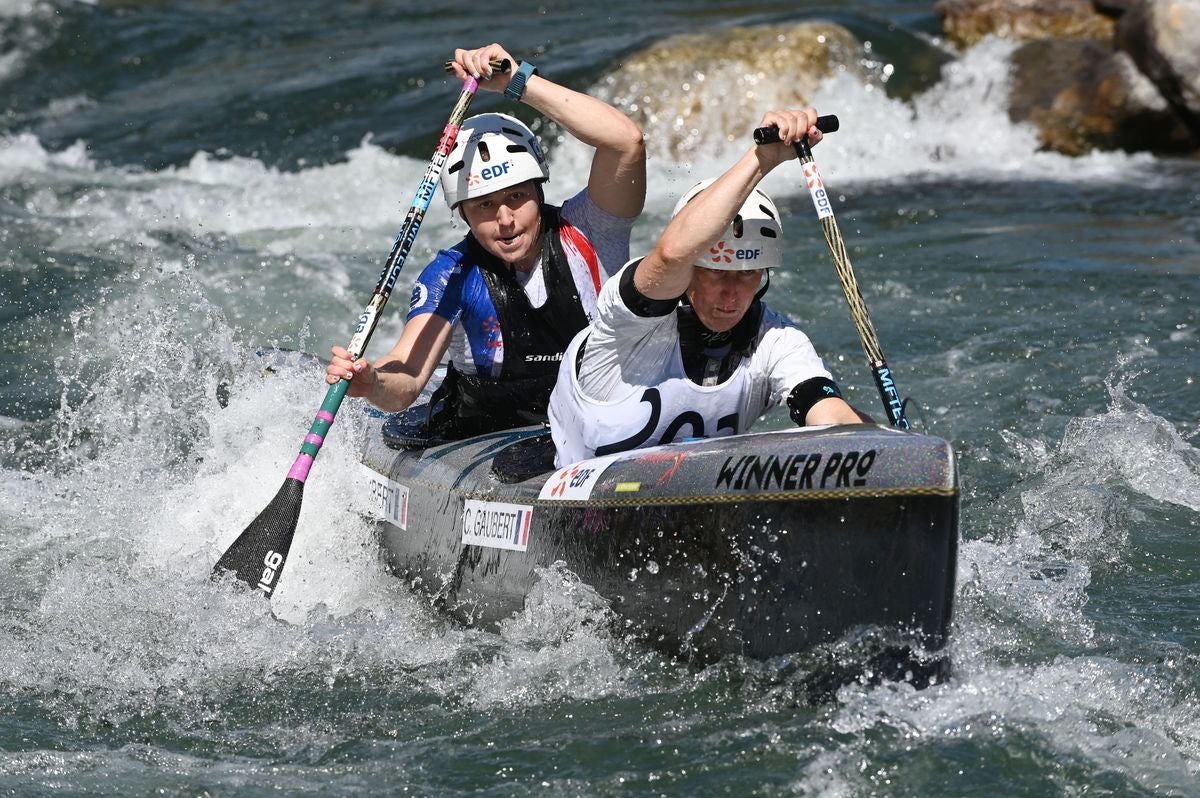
column 770, row 135
column 497, row 64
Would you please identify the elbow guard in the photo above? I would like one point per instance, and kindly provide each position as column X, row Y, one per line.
column 808, row 393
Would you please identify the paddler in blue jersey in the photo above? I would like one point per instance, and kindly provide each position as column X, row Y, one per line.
column 502, row 304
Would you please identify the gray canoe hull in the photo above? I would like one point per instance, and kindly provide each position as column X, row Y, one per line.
column 759, row 545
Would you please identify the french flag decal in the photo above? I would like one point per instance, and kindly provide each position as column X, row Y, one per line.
column 496, row 525
column 521, row 530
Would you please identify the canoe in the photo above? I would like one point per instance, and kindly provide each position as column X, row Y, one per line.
column 759, row 545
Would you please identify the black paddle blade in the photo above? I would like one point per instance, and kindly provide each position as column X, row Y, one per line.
column 258, row 555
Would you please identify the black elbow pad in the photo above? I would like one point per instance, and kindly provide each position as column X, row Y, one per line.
column 808, row 393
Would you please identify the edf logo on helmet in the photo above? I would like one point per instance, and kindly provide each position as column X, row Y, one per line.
column 489, row 173
column 720, row 253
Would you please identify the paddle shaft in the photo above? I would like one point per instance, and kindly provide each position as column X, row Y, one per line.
column 369, row 319
column 888, row 393
column 258, row 555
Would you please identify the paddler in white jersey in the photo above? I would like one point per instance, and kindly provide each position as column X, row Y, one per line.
column 682, row 345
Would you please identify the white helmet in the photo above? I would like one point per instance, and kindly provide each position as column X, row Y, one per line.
column 753, row 241
column 492, row 151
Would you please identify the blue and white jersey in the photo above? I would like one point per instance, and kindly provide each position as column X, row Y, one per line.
column 596, row 245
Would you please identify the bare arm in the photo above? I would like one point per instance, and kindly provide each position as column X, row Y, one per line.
column 667, row 271
column 617, row 182
column 835, row 410
column 395, row 380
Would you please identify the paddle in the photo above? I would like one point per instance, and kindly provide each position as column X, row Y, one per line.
column 258, row 555
column 888, row 393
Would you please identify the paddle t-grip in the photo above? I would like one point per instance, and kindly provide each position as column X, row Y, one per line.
column 770, row 135
column 497, row 64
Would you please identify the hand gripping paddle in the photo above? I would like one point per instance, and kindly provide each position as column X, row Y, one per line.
column 888, row 393
column 258, row 555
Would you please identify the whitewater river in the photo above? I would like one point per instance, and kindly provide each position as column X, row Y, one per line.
column 184, row 184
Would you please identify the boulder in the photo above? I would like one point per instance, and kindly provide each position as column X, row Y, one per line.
column 1163, row 39
column 695, row 89
column 1083, row 96
column 966, row 22
column 1096, row 74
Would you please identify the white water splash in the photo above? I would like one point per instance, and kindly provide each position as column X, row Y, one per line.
column 1131, row 446
column 959, row 128
column 1028, row 592
column 147, row 478
column 1121, row 718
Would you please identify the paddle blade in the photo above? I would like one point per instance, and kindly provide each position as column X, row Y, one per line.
column 258, row 555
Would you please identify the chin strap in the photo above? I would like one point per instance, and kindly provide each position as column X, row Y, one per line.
column 765, row 286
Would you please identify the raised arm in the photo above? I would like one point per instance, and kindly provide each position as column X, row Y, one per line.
column 617, row 182
column 667, row 271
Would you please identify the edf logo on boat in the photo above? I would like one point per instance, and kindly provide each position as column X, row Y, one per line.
column 576, row 480
column 576, row 477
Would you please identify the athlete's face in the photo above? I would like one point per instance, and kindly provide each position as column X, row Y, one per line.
column 507, row 223
column 720, row 297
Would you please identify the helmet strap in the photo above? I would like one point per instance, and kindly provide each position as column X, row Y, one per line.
column 766, row 284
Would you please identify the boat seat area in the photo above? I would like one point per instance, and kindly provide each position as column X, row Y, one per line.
column 525, row 459
column 409, row 429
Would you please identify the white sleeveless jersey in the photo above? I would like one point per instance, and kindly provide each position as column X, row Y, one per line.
column 631, row 390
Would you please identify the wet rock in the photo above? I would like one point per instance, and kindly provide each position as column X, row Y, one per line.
column 966, row 22
column 692, row 90
column 1096, row 74
column 1163, row 39
column 1083, row 96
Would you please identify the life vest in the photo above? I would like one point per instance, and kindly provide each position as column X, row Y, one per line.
column 534, row 341
column 709, row 358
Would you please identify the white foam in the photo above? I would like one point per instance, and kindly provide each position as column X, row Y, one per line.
column 1129, row 446
column 1119, row 717
column 356, row 206
column 150, row 479
column 957, row 129
column 20, row 8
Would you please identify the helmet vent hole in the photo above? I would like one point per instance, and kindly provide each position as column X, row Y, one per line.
column 484, row 154
column 517, row 148
column 767, row 232
column 738, row 228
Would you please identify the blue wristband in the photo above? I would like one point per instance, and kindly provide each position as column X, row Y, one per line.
column 516, row 84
